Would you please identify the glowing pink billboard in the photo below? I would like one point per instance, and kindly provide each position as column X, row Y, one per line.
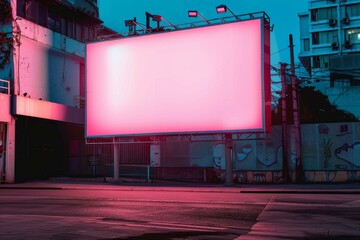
column 200, row 80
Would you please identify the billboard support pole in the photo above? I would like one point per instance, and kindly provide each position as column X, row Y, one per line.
column 116, row 162
column 228, row 159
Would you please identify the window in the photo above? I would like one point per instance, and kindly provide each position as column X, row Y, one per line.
column 78, row 32
column 53, row 21
column 88, row 33
column 42, row 16
column 323, row 14
column 353, row 10
column 340, row 83
column 315, row 38
column 63, row 26
column 352, row 34
column 316, row 62
column 328, row 37
column 344, row 82
column 321, row 61
column 58, row 21
column 31, row 10
column 306, row 44
column 324, row 37
column 354, row 82
column 91, row 33
column 70, row 28
column 324, row 61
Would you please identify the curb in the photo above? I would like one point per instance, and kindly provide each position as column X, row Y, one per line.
column 164, row 188
column 310, row 191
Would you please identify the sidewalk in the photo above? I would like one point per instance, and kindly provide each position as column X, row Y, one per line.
column 125, row 185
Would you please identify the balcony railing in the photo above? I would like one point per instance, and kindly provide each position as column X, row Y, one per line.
column 4, row 86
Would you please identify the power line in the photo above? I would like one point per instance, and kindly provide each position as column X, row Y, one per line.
column 279, row 51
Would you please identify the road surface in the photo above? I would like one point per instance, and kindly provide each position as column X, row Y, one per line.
column 103, row 211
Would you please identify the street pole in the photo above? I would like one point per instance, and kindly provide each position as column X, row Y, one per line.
column 296, row 130
column 285, row 167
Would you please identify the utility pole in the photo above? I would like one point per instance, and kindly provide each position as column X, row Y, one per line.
column 285, row 167
column 296, row 130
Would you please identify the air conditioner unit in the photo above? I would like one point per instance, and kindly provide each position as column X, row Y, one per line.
column 348, row 44
column 345, row 20
column 332, row 22
column 334, row 45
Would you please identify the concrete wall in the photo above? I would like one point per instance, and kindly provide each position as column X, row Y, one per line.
column 47, row 65
column 48, row 74
column 330, row 153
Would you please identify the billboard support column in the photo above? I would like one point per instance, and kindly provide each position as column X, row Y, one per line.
column 10, row 152
column 228, row 159
column 116, row 162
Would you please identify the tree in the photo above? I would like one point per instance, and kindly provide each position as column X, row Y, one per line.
column 314, row 107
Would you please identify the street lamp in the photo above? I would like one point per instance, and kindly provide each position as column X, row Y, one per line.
column 193, row 13
column 223, row 8
column 131, row 23
column 157, row 19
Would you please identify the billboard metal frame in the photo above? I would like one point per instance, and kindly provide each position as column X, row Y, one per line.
column 211, row 135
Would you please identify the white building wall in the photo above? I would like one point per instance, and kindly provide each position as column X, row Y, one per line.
column 46, row 73
column 48, row 64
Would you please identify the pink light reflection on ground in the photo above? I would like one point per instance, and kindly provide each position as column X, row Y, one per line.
column 197, row 80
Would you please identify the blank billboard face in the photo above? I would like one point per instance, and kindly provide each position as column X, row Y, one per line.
column 200, row 80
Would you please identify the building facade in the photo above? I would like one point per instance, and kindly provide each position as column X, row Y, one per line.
column 330, row 48
column 42, row 76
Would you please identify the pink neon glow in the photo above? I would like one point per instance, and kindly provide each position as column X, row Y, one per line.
column 221, row 9
column 192, row 13
column 197, row 80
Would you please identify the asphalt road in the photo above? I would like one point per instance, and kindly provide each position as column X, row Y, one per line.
column 115, row 212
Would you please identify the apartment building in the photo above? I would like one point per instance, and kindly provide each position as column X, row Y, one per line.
column 330, row 50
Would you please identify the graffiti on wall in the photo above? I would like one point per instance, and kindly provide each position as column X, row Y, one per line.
column 337, row 148
column 326, row 150
column 331, row 147
column 349, row 153
column 330, row 153
column 331, row 176
column 260, row 154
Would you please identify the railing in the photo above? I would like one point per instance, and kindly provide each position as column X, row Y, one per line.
column 4, row 86
column 171, row 27
column 152, row 174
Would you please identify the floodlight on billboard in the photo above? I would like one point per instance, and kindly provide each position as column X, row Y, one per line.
column 210, row 79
